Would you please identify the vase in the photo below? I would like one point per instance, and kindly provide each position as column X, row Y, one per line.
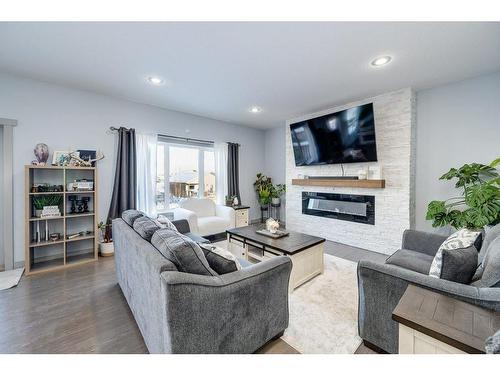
column 276, row 201
column 38, row 213
column 41, row 152
column 106, row 249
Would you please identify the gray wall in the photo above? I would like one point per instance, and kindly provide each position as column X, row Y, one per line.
column 275, row 159
column 70, row 119
column 456, row 124
column 2, row 250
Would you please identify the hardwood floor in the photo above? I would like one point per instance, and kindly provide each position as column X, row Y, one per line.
column 78, row 310
column 82, row 310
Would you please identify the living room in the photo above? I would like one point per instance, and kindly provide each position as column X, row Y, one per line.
column 304, row 187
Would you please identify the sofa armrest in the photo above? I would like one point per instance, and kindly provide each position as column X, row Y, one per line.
column 423, row 242
column 381, row 286
column 190, row 216
column 226, row 213
column 232, row 313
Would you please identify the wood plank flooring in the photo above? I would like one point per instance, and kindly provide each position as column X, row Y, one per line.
column 82, row 310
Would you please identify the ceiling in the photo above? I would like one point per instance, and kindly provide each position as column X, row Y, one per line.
column 220, row 70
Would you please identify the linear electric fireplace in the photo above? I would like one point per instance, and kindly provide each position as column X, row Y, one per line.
column 349, row 207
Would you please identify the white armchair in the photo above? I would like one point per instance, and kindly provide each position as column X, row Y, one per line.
column 204, row 216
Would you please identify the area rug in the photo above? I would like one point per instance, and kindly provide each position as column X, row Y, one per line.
column 323, row 311
column 11, row 278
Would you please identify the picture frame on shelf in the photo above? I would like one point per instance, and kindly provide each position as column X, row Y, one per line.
column 87, row 155
column 62, row 158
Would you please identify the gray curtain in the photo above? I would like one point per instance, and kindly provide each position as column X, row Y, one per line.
column 233, row 170
column 124, row 188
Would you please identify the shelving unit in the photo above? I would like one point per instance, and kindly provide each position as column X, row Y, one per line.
column 46, row 255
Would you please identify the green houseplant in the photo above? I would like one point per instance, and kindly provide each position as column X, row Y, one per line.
column 264, row 196
column 276, row 192
column 479, row 202
column 106, row 246
column 41, row 201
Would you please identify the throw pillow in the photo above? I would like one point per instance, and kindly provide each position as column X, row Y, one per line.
column 458, row 240
column 182, row 251
column 491, row 265
column 221, row 260
column 459, row 265
column 129, row 216
column 166, row 222
column 146, row 227
column 491, row 233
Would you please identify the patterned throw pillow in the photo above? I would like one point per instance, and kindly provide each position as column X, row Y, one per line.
column 458, row 240
column 166, row 223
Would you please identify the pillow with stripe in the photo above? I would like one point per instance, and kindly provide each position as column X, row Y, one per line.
column 182, row 251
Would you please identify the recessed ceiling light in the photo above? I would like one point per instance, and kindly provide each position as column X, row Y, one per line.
column 382, row 60
column 157, row 81
column 255, row 109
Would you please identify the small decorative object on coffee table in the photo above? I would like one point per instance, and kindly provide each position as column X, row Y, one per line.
column 272, row 229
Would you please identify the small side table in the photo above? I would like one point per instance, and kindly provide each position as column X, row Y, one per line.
column 242, row 216
column 432, row 323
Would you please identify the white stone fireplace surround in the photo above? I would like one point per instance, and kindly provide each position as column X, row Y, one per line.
column 395, row 115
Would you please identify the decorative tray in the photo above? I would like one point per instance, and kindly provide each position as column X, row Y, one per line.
column 278, row 234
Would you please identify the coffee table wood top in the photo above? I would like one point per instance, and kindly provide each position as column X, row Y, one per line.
column 294, row 243
column 457, row 323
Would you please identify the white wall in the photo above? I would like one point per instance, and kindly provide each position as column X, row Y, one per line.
column 65, row 118
column 394, row 126
column 456, row 124
column 2, row 250
column 275, row 165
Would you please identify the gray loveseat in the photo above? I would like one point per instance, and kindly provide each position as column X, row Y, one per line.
column 180, row 312
column 381, row 286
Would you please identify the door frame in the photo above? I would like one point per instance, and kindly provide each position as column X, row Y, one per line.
column 8, row 185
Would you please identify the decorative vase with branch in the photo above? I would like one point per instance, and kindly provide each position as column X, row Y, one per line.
column 477, row 205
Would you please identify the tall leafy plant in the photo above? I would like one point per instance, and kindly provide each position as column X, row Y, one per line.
column 479, row 201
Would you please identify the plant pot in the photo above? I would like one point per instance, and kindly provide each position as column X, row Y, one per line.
column 38, row 213
column 107, row 249
column 276, row 201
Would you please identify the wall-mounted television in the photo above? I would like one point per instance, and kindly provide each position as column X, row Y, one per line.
column 347, row 136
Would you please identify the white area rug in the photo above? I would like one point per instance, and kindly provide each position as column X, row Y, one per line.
column 324, row 311
column 8, row 279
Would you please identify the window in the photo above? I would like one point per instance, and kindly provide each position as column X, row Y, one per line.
column 184, row 171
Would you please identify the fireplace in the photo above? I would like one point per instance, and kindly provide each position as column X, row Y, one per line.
column 349, row 207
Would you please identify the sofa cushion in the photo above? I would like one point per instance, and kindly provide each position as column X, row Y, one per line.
column 459, row 265
column 491, row 265
column 146, row 227
column 165, row 222
column 221, row 260
column 411, row 260
column 196, row 238
column 182, row 251
column 458, row 240
column 490, row 235
column 212, row 225
column 129, row 216
column 201, row 207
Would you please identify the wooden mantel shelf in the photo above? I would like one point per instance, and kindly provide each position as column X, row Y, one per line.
column 367, row 184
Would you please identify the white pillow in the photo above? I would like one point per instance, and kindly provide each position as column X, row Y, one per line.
column 458, row 240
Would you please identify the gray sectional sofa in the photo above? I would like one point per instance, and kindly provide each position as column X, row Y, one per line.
column 381, row 285
column 179, row 312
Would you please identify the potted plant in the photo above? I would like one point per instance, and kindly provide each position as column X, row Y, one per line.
column 479, row 202
column 276, row 192
column 264, row 197
column 106, row 246
column 41, row 201
column 262, row 181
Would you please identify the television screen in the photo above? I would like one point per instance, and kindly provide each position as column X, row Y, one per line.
column 343, row 137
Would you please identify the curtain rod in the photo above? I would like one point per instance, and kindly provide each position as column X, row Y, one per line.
column 186, row 139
